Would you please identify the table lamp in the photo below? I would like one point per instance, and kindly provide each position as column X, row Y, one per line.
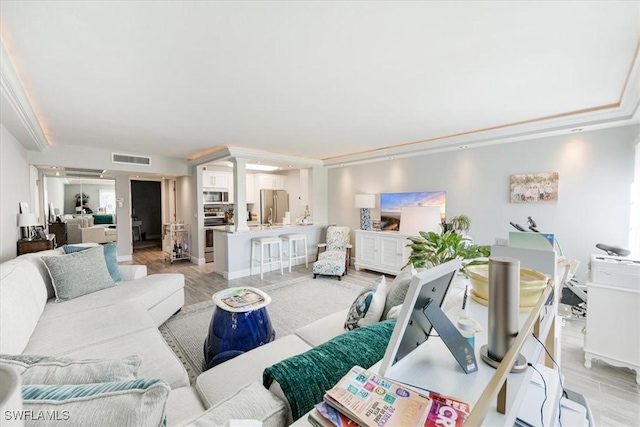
column 26, row 221
column 414, row 219
column 365, row 202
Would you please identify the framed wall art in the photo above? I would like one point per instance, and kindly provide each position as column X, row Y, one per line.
column 534, row 188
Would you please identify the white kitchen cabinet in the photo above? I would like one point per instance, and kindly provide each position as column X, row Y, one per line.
column 270, row 182
column 251, row 197
column 386, row 252
column 217, row 180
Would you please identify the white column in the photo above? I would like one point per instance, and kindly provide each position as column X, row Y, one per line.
column 240, row 190
column 319, row 195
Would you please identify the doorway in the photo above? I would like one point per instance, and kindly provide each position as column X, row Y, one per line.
column 146, row 215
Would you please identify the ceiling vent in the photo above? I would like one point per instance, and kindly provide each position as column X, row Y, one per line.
column 130, row 160
column 83, row 172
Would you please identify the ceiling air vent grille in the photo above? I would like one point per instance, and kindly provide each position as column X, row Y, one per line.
column 130, row 160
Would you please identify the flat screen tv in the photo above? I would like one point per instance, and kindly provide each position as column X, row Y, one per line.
column 391, row 205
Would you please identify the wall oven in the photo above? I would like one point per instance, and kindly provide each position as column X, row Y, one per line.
column 215, row 197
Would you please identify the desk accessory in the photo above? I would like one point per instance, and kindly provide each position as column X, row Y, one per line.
column 504, row 303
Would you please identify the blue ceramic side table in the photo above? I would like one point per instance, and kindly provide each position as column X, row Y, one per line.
column 240, row 323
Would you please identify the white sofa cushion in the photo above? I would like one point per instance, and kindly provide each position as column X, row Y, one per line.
column 149, row 291
column 36, row 259
column 78, row 330
column 182, row 405
column 23, row 296
column 322, row 330
column 251, row 402
column 222, row 381
column 158, row 361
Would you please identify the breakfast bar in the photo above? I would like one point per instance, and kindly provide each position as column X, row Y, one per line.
column 232, row 254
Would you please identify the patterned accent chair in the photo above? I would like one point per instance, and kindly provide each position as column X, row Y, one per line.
column 333, row 261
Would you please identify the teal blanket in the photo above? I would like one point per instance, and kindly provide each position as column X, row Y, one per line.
column 306, row 377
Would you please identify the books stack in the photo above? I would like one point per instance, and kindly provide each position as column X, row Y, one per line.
column 363, row 399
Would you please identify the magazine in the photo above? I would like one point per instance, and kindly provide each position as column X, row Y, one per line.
column 374, row 401
column 326, row 416
column 239, row 298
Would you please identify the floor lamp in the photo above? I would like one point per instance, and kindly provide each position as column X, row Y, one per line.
column 365, row 202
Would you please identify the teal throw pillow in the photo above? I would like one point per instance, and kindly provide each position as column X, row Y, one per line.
column 134, row 403
column 305, row 378
column 79, row 273
column 34, row 369
column 110, row 257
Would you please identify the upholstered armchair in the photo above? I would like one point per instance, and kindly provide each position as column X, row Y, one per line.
column 333, row 261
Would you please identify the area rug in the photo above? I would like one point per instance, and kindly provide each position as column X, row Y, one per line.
column 294, row 303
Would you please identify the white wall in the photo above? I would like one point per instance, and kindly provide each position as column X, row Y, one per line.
column 54, row 188
column 14, row 188
column 595, row 170
column 186, row 205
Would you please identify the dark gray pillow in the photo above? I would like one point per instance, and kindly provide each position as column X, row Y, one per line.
column 398, row 291
column 79, row 273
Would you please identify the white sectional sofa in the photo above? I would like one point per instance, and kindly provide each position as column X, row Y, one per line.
column 123, row 320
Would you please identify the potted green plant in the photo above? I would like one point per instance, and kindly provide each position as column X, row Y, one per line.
column 431, row 249
column 460, row 224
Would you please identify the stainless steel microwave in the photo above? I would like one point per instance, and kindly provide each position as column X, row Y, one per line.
column 215, row 196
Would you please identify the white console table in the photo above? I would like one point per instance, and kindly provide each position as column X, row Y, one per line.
column 383, row 251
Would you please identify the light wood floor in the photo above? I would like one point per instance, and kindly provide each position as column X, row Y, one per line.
column 612, row 393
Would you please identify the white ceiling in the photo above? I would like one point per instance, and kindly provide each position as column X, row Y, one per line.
column 323, row 80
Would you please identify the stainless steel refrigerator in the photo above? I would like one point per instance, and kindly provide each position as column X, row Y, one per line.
column 273, row 205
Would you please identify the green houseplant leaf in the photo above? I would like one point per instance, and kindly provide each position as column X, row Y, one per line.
column 431, row 249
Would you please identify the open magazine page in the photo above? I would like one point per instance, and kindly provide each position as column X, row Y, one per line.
column 374, row 401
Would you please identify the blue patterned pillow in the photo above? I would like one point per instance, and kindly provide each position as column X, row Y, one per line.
column 367, row 307
column 110, row 256
column 134, row 403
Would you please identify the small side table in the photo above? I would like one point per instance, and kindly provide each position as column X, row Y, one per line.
column 26, row 246
column 239, row 323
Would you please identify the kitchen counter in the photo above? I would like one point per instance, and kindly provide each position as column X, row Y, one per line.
column 232, row 254
column 261, row 227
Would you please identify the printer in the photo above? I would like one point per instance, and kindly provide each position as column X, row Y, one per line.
column 616, row 271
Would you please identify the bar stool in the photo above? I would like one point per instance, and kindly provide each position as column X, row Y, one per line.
column 269, row 242
column 292, row 239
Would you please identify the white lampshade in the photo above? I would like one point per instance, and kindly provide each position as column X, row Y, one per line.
column 366, row 201
column 414, row 219
column 27, row 220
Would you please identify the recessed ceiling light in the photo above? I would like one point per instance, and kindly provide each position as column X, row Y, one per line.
column 341, row 164
column 462, row 147
column 290, row 166
column 392, row 157
column 101, row 176
column 577, row 130
column 54, row 167
column 137, row 176
column 57, row 173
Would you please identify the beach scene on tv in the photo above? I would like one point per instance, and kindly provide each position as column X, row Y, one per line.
column 391, row 205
